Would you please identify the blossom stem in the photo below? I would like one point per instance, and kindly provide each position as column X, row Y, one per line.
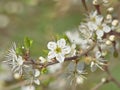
column 109, row 79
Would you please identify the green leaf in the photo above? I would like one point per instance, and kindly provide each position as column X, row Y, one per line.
column 19, row 50
column 44, row 70
column 28, row 42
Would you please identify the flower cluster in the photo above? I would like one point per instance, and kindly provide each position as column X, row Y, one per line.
column 86, row 46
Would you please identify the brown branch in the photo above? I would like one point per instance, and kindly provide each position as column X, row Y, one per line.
column 55, row 61
column 100, row 84
column 23, row 83
column 85, row 5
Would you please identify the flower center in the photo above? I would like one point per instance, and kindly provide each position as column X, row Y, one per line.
column 58, row 50
column 100, row 27
column 93, row 19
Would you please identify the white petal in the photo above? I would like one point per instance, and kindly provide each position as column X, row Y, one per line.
column 92, row 26
column 60, row 58
column 37, row 81
column 52, row 45
column 79, row 80
column 93, row 66
column 99, row 19
column 37, row 72
column 98, row 54
column 42, row 59
column 61, row 43
column 106, row 28
column 51, row 54
column 66, row 50
column 99, row 33
column 94, row 13
column 20, row 60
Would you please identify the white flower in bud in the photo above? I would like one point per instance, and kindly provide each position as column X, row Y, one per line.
column 17, row 76
column 42, row 59
column 110, row 9
column 109, row 17
column 112, row 37
column 95, row 2
column 108, row 42
column 103, row 80
column 79, row 80
column 105, row 1
column 104, row 53
column 115, row 22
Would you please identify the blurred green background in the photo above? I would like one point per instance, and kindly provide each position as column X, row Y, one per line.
column 42, row 21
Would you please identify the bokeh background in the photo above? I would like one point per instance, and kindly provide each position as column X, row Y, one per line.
column 43, row 20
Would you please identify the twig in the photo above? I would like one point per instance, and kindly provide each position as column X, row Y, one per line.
column 15, row 85
column 66, row 59
column 112, row 79
column 85, row 5
column 109, row 79
column 22, row 83
column 100, row 84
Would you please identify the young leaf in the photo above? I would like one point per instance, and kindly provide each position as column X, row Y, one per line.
column 28, row 42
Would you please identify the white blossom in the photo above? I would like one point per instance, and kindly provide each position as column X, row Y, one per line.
column 16, row 62
column 36, row 77
column 58, row 50
column 98, row 62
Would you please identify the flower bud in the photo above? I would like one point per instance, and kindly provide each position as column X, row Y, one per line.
column 79, row 80
column 112, row 37
column 105, row 1
column 115, row 22
column 103, row 80
column 109, row 18
column 95, row 2
column 108, row 42
column 17, row 76
column 104, row 53
column 110, row 9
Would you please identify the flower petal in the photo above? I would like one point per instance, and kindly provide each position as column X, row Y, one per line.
column 52, row 46
column 99, row 33
column 93, row 66
column 51, row 54
column 37, row 81
column 60, row 58
column 37, row 73
column 98, row 54
column 20, row 60
column 61, row 43
column 106, row 28
column 66, row 50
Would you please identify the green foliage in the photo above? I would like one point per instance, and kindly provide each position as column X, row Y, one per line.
column 44, row 70
column 27, row 43
column 20, row 50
